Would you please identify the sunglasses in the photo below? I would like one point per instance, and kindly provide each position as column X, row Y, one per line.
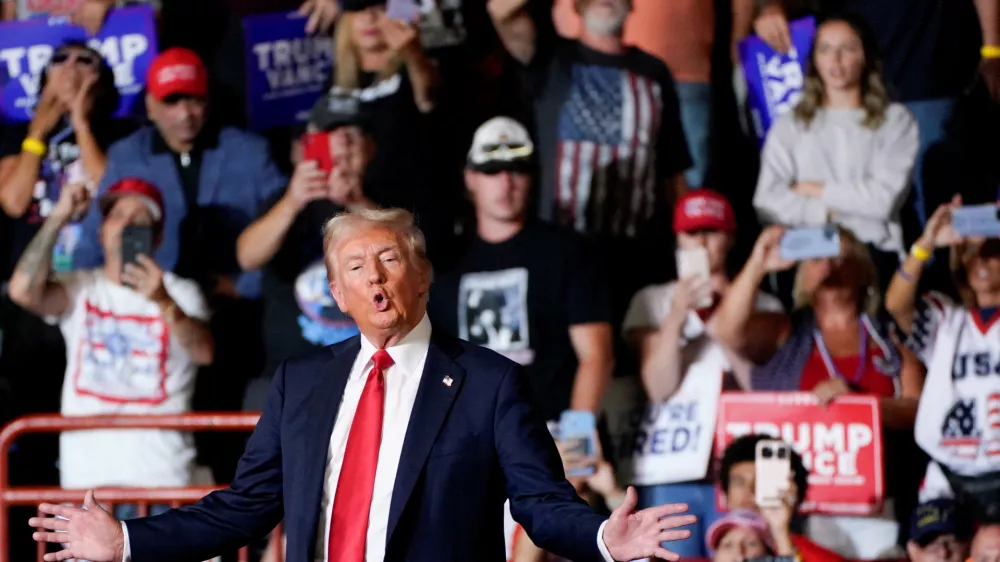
column 81, row 59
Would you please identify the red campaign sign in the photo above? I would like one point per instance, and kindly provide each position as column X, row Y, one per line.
column 840, row 444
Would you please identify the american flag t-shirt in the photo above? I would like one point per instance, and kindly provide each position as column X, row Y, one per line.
column 606, row 156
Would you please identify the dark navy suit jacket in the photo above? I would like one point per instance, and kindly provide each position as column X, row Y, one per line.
column 468, row 447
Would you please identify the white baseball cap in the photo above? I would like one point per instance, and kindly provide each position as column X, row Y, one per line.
column 501, row 144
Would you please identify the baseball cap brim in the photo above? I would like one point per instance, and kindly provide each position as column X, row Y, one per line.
column 109, row 200
column 519, row 165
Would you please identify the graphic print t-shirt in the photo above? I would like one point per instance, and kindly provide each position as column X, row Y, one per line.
column 970, row 430
column 123, row 359
column 299, row 311
column 520, row 298
column 61, row 166
column 609, row 135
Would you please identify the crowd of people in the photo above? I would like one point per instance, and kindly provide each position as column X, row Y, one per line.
column 557, row 154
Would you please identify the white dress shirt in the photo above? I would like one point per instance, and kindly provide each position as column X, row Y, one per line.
column 402, row 380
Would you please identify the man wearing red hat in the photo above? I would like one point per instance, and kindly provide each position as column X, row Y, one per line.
column 134, row 334
column 214, row 180
column 669, row 326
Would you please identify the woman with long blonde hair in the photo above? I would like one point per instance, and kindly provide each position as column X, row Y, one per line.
column 846, row 152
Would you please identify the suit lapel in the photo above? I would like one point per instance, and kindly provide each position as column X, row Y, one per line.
column 430, row 409
column 323, row 408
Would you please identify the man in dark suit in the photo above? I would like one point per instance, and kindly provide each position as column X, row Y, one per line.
column 397, row 444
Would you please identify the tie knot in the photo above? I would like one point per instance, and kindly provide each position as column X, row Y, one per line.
column 382, row 360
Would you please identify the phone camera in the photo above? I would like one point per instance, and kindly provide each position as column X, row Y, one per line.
column 767, row 452
column 782, row 453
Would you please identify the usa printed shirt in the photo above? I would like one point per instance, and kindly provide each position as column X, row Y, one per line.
column 609, row 136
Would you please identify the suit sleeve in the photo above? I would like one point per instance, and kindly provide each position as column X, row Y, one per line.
column 541, row 500
column 227, row 519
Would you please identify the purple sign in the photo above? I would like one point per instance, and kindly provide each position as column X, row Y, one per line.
column 287, row 69
column 127, row 41
column 774, row 80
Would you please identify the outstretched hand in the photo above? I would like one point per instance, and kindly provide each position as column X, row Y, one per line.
column 630, row 536
column 90, row 533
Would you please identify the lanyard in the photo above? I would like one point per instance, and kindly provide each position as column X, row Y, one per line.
column 831, row 368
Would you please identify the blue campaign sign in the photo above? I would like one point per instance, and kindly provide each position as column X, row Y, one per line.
column 127, row 41
column 774, row 80
column 286, row 69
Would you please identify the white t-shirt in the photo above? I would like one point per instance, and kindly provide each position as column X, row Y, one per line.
column 958, row 419
column 651, row 305
column 122, row 359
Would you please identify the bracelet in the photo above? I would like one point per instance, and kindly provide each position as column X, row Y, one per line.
column 906, row 276
column 920, row 253
column 990, row 52
column 34, row 146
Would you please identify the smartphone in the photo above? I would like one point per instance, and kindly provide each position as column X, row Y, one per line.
column 579, row 427
column 977, row 220
column 772, row 468
column 694, row 263
column 403, row 10
column 316, row 147
column 799, row 244
column 136, row 240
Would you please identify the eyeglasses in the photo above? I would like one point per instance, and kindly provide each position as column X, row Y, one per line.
column 80, row 58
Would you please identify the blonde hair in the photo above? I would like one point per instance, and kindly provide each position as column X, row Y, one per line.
column 866, row 288
column 399, row 221
column 874, row 95
column 346, row 59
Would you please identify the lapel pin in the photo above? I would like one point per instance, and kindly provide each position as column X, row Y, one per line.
column 447, row 381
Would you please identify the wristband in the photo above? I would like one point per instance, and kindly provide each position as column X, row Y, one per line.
column 920, row 253
column 34, row 146
column 906, row 276
column 990, row 52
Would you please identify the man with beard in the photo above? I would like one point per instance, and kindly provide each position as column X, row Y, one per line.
column 611, row 146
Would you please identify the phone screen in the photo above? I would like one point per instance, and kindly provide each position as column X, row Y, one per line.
column 977, row 220
column 136, row 240
column 403, row 10
column 579, row 427
column 772, row 468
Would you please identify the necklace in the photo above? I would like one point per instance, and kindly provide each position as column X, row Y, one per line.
column 831, row 367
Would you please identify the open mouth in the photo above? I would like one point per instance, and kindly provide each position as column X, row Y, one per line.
column 380, row 302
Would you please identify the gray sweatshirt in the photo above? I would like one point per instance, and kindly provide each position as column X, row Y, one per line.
column 865, row 173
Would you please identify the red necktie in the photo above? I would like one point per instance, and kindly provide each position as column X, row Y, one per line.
column 353, row 500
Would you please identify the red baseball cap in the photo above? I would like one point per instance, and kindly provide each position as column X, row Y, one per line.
column 177, row 71
column 139, row 188
column 704, row 209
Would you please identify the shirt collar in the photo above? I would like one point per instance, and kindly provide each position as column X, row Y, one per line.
column 407, row 354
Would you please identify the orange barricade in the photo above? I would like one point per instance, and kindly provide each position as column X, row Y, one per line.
column 143, row 497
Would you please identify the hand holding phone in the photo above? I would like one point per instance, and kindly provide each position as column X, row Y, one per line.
column 694, row 264
column 136, row 240
column 772, row 472
column 799, row 244
column 577, row 431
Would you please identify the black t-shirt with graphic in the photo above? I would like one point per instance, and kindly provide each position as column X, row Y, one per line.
column 520, row 298
column 609, row 136
column 61, row 165
column 299, row 312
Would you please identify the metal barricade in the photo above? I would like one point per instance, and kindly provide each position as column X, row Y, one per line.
column 142, row 497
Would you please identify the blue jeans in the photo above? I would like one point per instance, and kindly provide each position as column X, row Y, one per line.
column 696, row 118
column 700, row 497
column 934, row 174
